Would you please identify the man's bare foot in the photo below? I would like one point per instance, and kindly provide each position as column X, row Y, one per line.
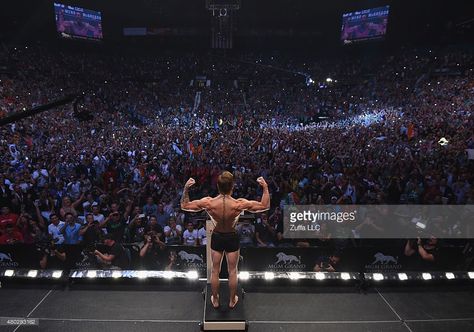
column 215, row 301
column 232, row 304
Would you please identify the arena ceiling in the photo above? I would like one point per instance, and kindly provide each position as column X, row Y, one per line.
column 314, row 20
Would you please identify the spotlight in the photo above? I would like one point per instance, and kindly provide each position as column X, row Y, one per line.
column 294, row 275
column 32, row 273
column 168, row 274
column 450, row 275
column 244, row 275
column 329, row 80
column 269, row 275
column 426, row 276
column 377, row 276
column 402, row 276
column 345, row 276
column 116, row 274
column 57, row 274
column 192, row 275
column 141, row 274
column 471, row 275
column 9, row 273
column 91, row 274
column 320, row 276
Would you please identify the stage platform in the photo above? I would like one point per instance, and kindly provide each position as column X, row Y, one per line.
column 224, row 318
column 296, row 309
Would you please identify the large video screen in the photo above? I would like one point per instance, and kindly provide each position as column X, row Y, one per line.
column 364, row 25
column 77, row 22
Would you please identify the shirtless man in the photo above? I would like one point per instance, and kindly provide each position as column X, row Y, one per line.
column 224, row 210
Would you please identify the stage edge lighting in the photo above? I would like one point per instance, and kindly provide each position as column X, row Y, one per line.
column 192, row 275
column 426, row 276
column 345, row 276
column 9, row 273
column 269, row 275
column 377, row 276
column 450, row 275
column 244, row 275
column 32, row 273
column 402, row 276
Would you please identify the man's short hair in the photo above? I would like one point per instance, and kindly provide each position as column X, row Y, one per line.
column 225, row 183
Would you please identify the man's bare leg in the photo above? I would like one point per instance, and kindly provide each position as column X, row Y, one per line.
column 216, row 257
column 232, row 261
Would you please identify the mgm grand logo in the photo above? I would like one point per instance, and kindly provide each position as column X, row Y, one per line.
column 191, row 260
column 286, row 262
column 7, row 261
column 384, row 263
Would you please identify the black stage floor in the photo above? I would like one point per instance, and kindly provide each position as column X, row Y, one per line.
column 136, row 309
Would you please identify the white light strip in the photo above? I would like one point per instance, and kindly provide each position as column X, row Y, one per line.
column 193, row 275
column 142, row 274
column 9, row 273
column 295, row 275
column 377, row 276
column 402, row 276
column 320, row 276
column 426, row 276
column 244, row 275
column 57, row 274
column 450, row 275
column 91, row 274
column 269, row 275
column 471, row 275
column 32, row 273
column 168, row 274
column 116, row 274
column 345, row 276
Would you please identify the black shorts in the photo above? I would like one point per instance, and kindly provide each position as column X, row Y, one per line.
column 228, row 242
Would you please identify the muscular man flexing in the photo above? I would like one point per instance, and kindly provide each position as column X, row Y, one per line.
column 224, row 211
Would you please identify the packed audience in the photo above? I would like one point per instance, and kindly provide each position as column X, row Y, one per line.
column 396, row 128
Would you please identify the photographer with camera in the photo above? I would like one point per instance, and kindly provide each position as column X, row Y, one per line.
column 422, row 252
column 53, row 256
column 116, row 258
column 151, row 250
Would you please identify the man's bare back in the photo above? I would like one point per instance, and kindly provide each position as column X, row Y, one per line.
column 225, row 211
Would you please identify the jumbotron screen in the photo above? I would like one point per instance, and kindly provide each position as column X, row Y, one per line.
column 364, row 25
column 77, row 22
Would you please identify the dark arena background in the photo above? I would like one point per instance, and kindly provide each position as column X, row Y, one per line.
column 357, row 110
